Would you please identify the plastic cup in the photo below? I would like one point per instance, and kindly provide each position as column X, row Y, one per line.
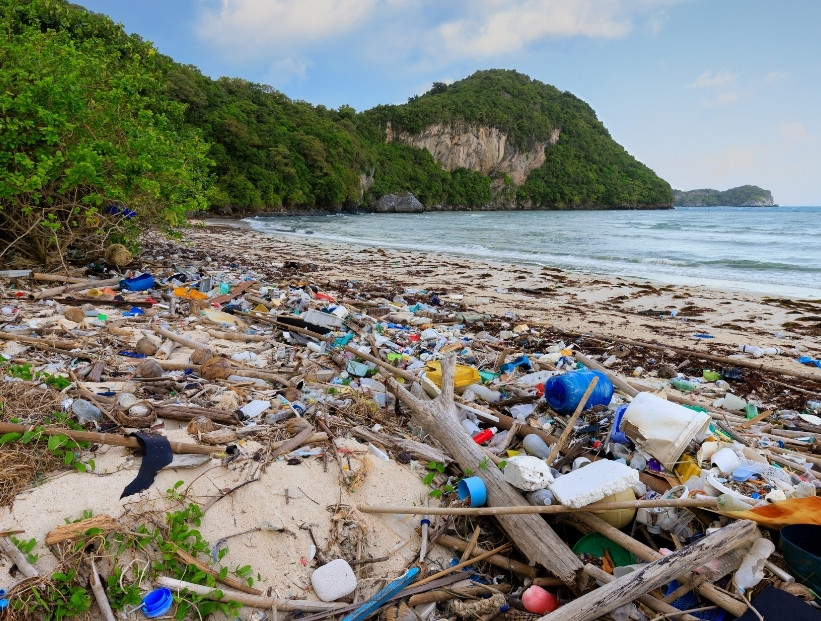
column 474, row 489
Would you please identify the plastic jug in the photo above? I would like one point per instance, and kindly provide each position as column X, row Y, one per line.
column 563, row 392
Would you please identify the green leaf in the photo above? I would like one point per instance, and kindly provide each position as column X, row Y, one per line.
column 68, row 458
column 10, row 437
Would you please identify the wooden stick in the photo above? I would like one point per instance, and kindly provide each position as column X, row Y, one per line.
column 231, row 582
column 57, row 278
column 559, row 445
column 544, row 510
column 254, row 601
column 622, row 590
column 239, row 370
column 185, row 412
column 497, row 560
column 99, row 593
column 474, row 538
column 18, row 558
column 707, row 590
column 233, row 336
column 442, row 595
column 475, row 559
column 38, row 342
column 110, row 439
column 64, row 532
column 182, row 340
column 648, row 600
column 86, row 284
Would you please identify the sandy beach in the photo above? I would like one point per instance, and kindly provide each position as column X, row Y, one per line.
column 291, row 513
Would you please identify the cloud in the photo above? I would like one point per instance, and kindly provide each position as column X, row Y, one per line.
column 250, row 29
column 795, row 132
column 424, row 31
column 708, row 80
column 724, row 99
column 286, row 70
column 776, row 76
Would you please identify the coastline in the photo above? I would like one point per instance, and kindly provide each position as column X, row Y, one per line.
column 575, row 303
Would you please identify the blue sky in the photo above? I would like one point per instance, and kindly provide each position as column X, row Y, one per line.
column 708, row 93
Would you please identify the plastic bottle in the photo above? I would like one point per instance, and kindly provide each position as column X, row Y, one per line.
column 815, row 406
column 484, row 435
column 563, row 392
column 541, row 497
column 756, row 352
column 683, row 385
column 86, row 411
column 471, row 427
column 484, row 393
column 638, row 462
column 751, row 570
column 534, row 445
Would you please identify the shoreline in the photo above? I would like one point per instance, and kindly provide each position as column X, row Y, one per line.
column 573, row 302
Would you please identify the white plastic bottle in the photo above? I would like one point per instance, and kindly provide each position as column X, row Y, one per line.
column 536, row 446
column 751, row 570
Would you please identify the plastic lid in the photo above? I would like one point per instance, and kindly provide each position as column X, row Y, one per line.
column 742, row 474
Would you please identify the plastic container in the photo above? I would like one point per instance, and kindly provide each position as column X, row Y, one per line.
column 539, row 498
column 618, row 517
column 463, row 376
column 595, row 544
column 86, row 411
column 751, row 570
column 483, row 392
column 563, row 392
column 725, row 460
column 534, row 445
column 156, row 603
column 143, row 282
column 616, row 434
column 801, row 547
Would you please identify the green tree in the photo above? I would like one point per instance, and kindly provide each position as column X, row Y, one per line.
column 84, row 124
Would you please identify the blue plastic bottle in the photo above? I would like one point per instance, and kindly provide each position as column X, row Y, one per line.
column 563, row 392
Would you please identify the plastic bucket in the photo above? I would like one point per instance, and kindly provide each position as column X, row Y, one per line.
column 662, row 428
column 595, row 544
column 563, row 392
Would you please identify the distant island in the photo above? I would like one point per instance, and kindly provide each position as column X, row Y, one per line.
column 742, row 196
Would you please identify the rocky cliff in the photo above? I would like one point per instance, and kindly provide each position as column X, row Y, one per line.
column 483, row 149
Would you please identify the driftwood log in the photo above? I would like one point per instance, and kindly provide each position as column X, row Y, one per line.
column 706, row 590
column 622, row 590
column 530, row 533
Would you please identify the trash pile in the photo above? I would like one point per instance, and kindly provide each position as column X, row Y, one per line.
column 569, row 475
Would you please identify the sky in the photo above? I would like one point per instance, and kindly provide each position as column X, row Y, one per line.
column 707, row 93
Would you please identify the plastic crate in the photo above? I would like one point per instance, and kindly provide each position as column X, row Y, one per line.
column 690, row 600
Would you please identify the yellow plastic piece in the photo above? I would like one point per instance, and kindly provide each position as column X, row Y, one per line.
column 193, row 294
column 686, row 469
column 462, row 376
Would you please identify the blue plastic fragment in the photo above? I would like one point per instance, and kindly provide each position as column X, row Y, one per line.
column 371, row 606
column 130, row 354
column 703, row 335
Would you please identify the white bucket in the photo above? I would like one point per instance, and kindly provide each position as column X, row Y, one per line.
column 662, row 428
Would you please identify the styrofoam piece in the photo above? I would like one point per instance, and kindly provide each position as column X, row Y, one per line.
column 318, row 318
column 527, row 473
column 333, row 580
column 254, row 408
column 593, row 482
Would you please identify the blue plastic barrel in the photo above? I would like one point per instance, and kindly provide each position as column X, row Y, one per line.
column 563, row 392
column 143, row 282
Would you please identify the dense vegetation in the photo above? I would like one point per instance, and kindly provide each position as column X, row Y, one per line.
column 91, row 117
column 745, row 195
column 84, row 124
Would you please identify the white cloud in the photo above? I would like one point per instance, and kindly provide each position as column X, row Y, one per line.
column 724, row 99
column 775, row 76
column 285, row 70
column 250, row 29
column 708, row 80
column 795, row 132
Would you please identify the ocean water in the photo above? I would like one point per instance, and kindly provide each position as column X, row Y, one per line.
column 769, row 250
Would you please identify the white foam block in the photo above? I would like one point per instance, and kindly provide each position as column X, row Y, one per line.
column 593, row 482
column 527, row 473
column 333, row 580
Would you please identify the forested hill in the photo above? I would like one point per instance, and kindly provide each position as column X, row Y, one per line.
column 98, row 116
column 742, row 196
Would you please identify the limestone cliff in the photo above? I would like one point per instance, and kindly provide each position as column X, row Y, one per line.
column 476, row 147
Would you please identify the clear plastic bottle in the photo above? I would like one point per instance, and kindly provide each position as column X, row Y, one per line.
column 536, row 446
column 541, row 497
